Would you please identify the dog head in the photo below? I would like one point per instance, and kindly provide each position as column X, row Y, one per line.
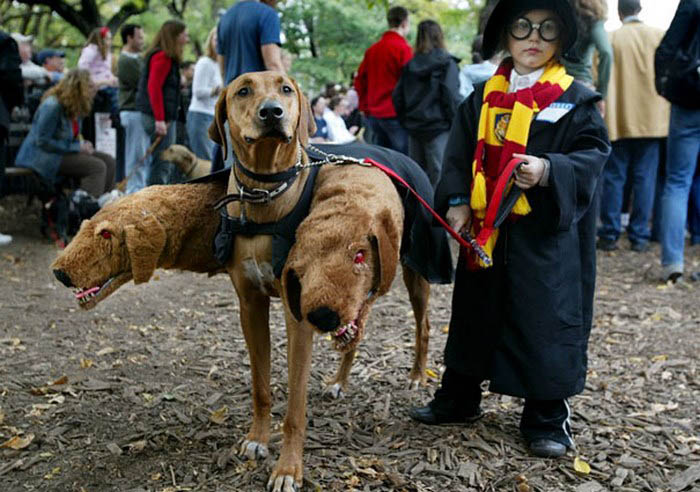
column 262, row 108
column 118, row 244
column 338, row 268
column 181, row 156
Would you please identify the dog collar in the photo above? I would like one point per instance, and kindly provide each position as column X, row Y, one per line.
column 285, row 175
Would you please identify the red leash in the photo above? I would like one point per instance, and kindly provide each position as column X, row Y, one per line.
column 464, row 240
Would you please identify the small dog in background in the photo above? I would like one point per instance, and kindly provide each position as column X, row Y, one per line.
column 187, row 162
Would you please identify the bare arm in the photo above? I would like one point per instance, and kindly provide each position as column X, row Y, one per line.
column 222, row 66
column 272, row 57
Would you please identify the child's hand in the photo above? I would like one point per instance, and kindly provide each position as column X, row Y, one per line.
column 459, row 217
column 530, row 173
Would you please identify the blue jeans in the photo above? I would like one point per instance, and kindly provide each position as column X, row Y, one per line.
column 694, row 209
column 636, row 159
column 160, row 171
column 683, row 151
column 136, row 144
column 428, row 153
column 198, row 134
column 389, row 133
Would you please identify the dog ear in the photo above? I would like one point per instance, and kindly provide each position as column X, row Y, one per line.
column 292, row 290
column 385, row 242
column 145, row 243
column 217, row 129
column 306, row 125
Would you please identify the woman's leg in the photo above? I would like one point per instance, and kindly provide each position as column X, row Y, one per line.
column 110, row 167
column 89, row 169
column 197, row 132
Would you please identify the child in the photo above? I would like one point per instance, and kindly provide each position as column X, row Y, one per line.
column 523, row 323
column 96, row 58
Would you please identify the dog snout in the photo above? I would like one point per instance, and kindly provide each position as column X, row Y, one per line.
column 324, row 318
column 271, row 112
column 63, row 278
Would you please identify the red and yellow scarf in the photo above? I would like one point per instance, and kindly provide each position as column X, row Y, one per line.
column 504, row 128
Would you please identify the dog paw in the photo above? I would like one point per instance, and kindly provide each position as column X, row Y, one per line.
column 334, row 391
column 283, row 483
column 253, row 450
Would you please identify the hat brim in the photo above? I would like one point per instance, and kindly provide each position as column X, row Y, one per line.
column 506, row 10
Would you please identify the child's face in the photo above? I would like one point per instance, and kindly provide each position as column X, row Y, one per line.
column 532, row 51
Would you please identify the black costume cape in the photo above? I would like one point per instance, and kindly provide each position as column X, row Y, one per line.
column 424, row 246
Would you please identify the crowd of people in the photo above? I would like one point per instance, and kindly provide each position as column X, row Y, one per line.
column 532, row 105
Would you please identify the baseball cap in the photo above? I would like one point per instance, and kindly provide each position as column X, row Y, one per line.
column 22, row 38
column 48, row 53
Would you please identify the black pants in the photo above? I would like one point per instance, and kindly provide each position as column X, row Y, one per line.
column 541, row 419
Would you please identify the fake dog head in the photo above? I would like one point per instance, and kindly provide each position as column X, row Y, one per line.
column 262, row 108
column 345, row 257
column 117, row 245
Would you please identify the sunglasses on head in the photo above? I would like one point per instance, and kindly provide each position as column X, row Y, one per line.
column 522, row 28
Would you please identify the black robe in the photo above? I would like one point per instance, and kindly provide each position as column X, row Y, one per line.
column 524, row 323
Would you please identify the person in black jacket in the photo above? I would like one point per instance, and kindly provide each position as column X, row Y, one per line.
column 678, row 80
column 11, row 95
column 426, row 98
column 523, row 323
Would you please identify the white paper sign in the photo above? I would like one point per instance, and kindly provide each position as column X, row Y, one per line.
column 105, row 135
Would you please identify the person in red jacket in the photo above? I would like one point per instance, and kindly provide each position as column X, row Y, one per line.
column 158, row 95
column 376, row 78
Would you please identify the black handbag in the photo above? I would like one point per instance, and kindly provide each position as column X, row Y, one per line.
column 678, row 74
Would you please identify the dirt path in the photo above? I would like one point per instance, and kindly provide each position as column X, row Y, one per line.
column 150, row 391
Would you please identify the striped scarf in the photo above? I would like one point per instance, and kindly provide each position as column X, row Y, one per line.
column 504, row 128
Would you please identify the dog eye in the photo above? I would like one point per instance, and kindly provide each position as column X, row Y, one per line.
column 106, row 234
column 244, row 91
column 359, row 257
column 287, row 90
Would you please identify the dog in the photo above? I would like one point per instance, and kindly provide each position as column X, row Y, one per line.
column 269, row 122
column 191, row 166
column 165, row 226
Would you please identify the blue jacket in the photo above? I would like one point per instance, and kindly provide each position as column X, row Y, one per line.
column 50, row 138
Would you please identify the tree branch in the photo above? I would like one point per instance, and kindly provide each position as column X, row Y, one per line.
column 126, row 11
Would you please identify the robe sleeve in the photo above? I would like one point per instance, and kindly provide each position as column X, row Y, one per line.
column 457, row 162
column 574, row 173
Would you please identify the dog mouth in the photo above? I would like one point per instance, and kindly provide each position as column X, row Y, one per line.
column 274, row 133
column 89, row 297
column 348, row 335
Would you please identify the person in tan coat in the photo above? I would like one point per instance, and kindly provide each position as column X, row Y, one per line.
column 637, row 120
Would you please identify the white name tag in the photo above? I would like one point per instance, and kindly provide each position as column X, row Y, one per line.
column 554, row 112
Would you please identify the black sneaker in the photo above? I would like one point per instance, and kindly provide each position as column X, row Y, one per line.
column 604, row 244
column 639, row 247
column 442, row 410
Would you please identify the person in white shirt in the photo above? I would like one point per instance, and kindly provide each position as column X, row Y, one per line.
column 206, row 86
column 337, row 130
column 32, row 73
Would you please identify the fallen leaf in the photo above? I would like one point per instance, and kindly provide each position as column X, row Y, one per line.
column 104, row 351
column 446, row 329
column 219, row 416
column 61, row 380
column 86, row 363
column 55, row 471
column 18, row 442
column 431, row 374
column 581, row 466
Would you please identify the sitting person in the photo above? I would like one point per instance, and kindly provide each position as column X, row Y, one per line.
column 54, row 62
column 54, row 146
column 32, row 74
column 337, row 131
column 96, row 58
column 318, row 106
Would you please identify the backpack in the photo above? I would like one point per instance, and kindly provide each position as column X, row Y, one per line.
column 11, row 85
column 63, row 213
column 677, row 76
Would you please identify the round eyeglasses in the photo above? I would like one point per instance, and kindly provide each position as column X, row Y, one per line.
column 522, row 28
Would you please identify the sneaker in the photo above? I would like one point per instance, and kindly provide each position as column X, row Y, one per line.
column 5, row 239
column 640, row 247
column 604, row 244
column 444, row 410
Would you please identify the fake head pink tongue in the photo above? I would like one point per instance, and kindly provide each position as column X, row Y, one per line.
column 84, row 293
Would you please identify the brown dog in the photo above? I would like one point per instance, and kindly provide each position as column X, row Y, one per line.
column 158, row 227
column 269, row 125
column 187, row 162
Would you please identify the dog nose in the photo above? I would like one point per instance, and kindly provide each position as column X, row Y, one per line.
column 324, row 318
column 63, row 278
column 271, row 112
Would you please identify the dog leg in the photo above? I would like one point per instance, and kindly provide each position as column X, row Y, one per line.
column 337, row 385
column 287, row 474
column 419, row 294
column 255, row 314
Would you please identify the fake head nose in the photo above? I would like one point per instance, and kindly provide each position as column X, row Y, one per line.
column 63, row 277
column 271, row 112
column 324, row 318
